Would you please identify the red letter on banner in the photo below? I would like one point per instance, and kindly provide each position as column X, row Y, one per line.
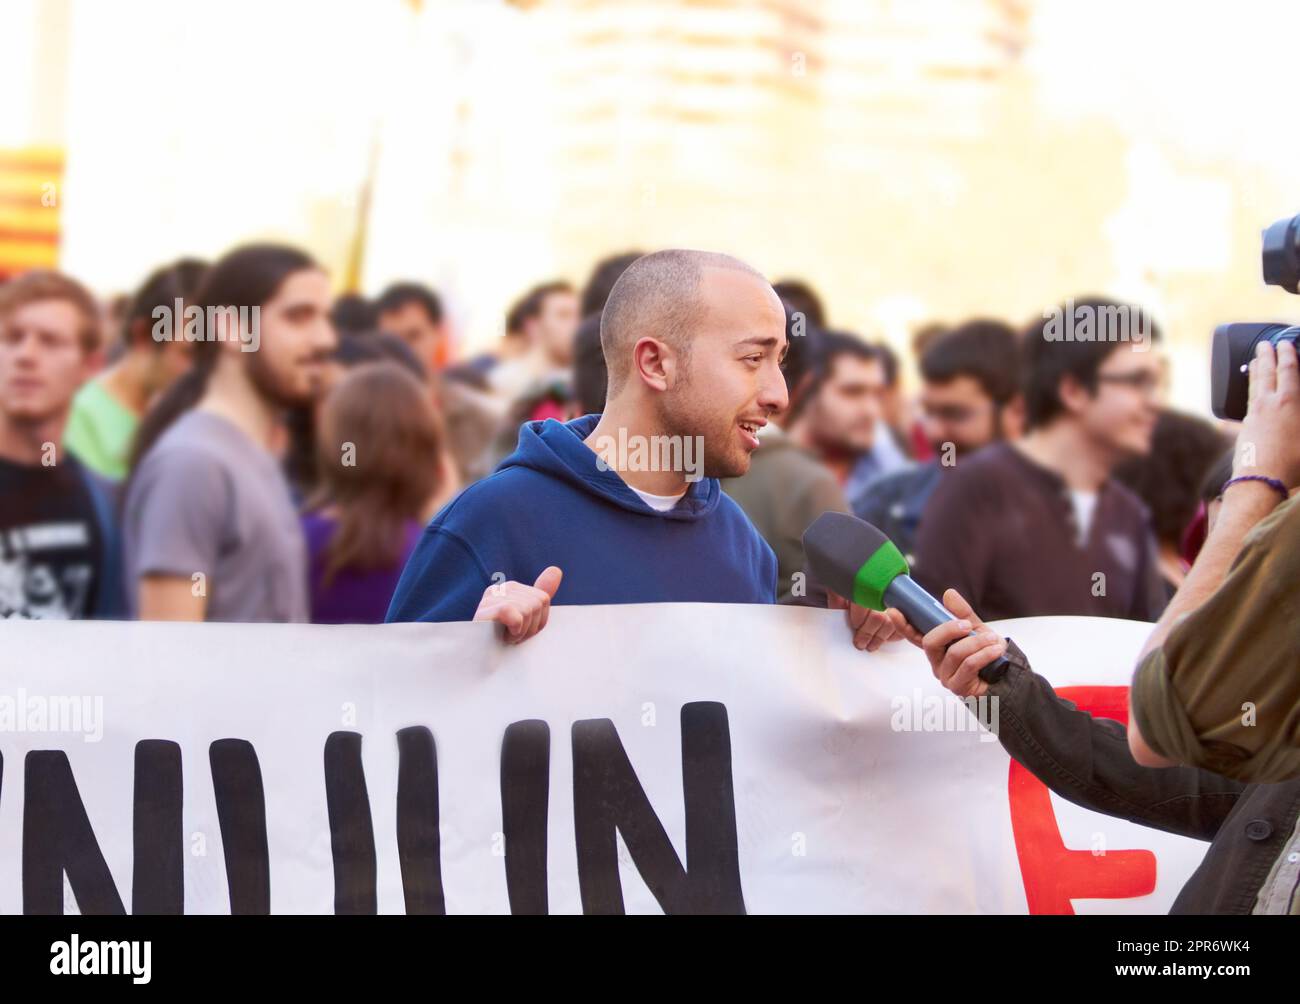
column 1053, row 874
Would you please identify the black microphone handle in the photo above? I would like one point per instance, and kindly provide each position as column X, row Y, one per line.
column 925, row 613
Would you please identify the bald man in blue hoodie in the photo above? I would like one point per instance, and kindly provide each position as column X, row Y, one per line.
column 625, row 507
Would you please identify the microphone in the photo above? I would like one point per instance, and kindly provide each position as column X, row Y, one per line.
column 853, row 558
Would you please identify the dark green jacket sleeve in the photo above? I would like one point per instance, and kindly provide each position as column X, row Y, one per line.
column 1087, row 760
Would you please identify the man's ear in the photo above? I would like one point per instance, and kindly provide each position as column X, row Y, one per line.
column 653, row 363
column 1074, row 396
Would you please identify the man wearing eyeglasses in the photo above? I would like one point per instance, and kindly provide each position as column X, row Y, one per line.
column 970, row 398
column 1039, row 527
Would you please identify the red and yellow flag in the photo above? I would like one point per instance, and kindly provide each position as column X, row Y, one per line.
column 31, row 197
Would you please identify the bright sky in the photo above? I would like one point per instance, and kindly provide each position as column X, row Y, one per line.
column 516, row 148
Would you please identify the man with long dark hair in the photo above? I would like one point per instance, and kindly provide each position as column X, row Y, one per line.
column 211, row 529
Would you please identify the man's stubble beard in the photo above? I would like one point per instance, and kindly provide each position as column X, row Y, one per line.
column 271, row 388
column 682, row 419
column 835, row 442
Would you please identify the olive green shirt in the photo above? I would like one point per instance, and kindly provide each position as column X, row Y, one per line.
column 1223, row 692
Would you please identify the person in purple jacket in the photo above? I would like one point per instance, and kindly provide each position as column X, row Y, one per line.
column 379, row 458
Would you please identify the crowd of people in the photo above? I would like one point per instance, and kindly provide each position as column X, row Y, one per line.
column 235, row 443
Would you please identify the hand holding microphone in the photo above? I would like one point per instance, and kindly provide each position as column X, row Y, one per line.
column 854, row 559
column 960, row 650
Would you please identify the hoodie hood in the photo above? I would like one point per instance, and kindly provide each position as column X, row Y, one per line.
column 557, row 449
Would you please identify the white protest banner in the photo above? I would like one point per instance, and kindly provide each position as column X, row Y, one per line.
column 650, row 758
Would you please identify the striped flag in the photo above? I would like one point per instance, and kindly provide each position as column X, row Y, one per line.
column 31, row 195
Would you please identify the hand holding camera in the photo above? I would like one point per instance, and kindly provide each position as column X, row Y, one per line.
column 1253, row 373
column 1268, row 444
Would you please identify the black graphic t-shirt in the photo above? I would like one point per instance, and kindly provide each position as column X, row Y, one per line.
column 50, row 546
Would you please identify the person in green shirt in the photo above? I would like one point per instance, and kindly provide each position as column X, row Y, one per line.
column 107, row 409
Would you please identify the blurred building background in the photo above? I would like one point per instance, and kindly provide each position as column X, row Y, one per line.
column 916, row 160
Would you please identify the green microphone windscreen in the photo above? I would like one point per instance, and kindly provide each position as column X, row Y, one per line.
column 852, row 558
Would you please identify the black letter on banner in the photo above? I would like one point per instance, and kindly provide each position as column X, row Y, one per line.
column 608, row 796
column 158, row 878
column 241, row 814
column 525, row 792
column 57, row 837
column 352, row 837
column 418, row 848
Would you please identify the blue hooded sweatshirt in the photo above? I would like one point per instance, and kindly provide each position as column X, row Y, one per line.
column 549, row 504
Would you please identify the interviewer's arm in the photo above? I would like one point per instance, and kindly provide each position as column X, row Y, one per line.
column 1242, row 508
column 1080, row 757
column 1222, row 691
column 1241, row 511
column 1228, row 621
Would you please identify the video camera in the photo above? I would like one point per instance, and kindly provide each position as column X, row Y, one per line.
column 1234, row 344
